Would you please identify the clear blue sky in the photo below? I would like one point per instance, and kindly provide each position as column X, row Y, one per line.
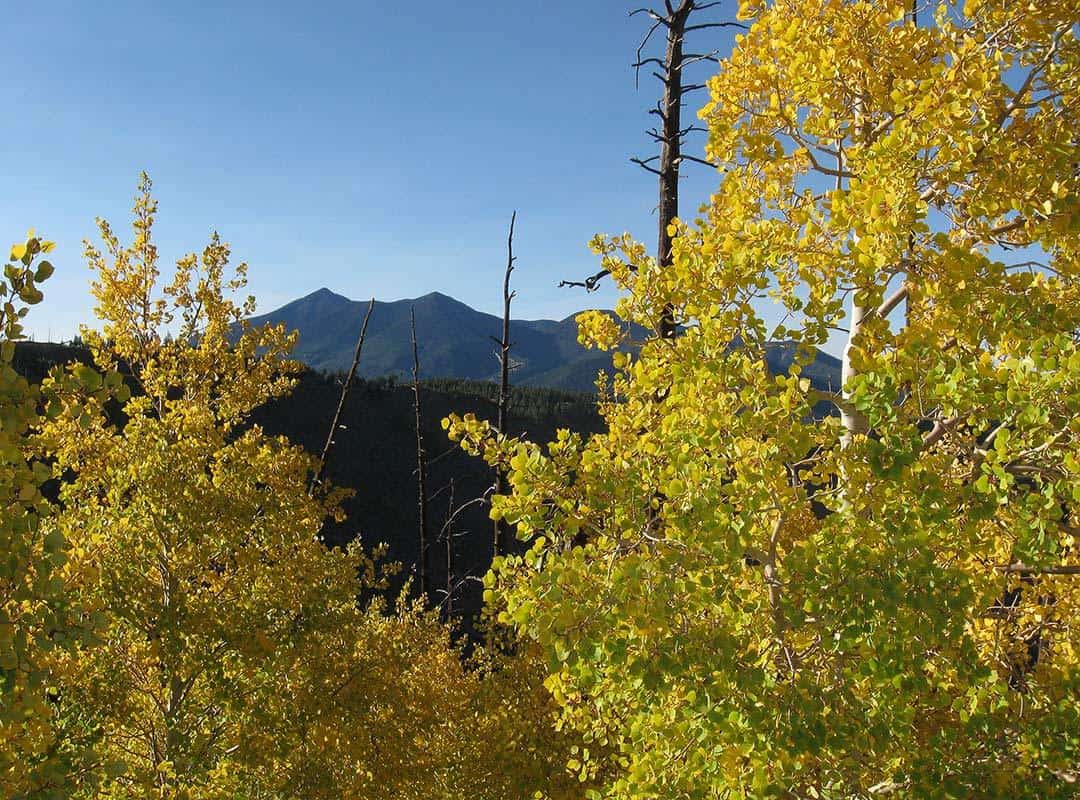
column 376, row 148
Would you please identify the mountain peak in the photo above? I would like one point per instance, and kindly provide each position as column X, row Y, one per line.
column 324, row 294
column 437, row 298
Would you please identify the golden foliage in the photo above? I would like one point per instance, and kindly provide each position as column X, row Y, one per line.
column 699, row 621
column 234, row 658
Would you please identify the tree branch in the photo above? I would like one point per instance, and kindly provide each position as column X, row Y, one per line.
column 590, row 283
column 500, row 532
column 1020, row 568
column 702, row 26
column 644, row 164
column 317, row 477
column 696, row 160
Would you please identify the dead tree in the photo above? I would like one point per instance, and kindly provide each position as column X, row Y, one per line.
column 674, row 19
column 503, row 415
column 448, row 534
column 336, row 422
column 421, row 463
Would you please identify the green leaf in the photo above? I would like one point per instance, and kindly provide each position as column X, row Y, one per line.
column 88, row 377
column 44, row 271
column 54, row 541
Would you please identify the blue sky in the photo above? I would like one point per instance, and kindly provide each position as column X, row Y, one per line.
column 376, row 148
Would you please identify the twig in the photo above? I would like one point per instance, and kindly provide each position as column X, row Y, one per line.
column 317, row 477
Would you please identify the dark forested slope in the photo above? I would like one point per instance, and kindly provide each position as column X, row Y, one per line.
column 374, row 451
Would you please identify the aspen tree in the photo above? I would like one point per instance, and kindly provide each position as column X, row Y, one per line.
column 919, row 638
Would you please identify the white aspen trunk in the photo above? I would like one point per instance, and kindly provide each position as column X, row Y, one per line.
column 853, row 421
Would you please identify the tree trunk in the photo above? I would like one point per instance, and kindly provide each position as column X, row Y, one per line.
column 671, row 145
column 421, row 465
column 500, row 532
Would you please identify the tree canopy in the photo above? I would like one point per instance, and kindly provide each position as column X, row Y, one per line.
column 235, row 656
column 39, row 619
column 739, row 599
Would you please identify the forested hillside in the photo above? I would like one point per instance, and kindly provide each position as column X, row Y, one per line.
column 373, row 455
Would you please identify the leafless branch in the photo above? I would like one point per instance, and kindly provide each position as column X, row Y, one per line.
column 696, row 160
column 1020, row 568
column 590, row 283
column 317, row 477
column 893, row 301
column 644, row 164
column 819, row 167
column 705, row 25
column 657, row 22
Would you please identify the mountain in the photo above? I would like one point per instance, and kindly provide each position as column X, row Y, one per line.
column 456, row 341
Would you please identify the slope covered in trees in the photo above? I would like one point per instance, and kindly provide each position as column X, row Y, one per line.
column 372, row 457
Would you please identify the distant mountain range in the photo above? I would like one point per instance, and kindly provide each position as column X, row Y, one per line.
column 457, row 341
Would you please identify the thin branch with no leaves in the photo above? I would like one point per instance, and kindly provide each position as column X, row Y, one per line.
column 317, row 477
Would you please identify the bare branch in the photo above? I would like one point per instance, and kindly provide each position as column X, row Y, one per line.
column 457, row 512
column 830, row 171
column 317, row 477
column 892, row 302
column 590, row 283
column 447, row 532
column 696, row 160
column 704, row 25
column 645, row 41
column 1023, row 569
column 694, row 58
column 935, row 434
column 649, row 13
column 644, row 165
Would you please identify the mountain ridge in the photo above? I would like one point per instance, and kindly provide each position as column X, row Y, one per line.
column 457, row 341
